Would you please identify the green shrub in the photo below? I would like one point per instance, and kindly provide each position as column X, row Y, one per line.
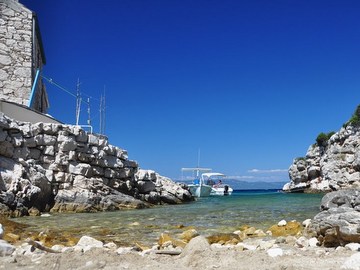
column 323, row 138
column 300, row 158
column 355, row 118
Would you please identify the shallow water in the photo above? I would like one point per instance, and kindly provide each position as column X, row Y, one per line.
column 260, row 209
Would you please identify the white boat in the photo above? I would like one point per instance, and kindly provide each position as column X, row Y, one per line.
column 198, row 188
column 215, row 180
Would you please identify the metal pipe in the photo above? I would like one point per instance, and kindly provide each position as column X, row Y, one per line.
column 33, row 89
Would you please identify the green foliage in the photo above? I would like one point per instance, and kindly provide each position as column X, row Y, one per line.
column 323, row 138
column 355, row 118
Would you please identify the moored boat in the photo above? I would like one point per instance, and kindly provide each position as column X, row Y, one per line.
column 218, row 187
column 198, row 188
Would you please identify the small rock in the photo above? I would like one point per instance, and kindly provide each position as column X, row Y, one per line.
column 57, row 247
column 86, row 243
column 110, row 245
column 291, row 240
column 313, row 242
column 352, row 263
column 353, row 246
column 189, row 234
column 6, row 249
column 282, row 223
column 11, row 237
column 197, row 244
column 306, row 223
column 124, row 250
column 275, row 252
column 302, row 242
column 247, row 246
column 265, row 245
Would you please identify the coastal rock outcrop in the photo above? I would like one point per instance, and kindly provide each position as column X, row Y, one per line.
column 339, row 221
column 330, row 165
column 53, row 167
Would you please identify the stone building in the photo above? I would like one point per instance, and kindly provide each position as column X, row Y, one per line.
column 21, row 55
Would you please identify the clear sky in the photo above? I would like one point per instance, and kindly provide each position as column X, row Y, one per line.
column 249, row 83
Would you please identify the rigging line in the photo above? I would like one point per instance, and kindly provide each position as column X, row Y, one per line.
column 65, row 90
column 59, row 86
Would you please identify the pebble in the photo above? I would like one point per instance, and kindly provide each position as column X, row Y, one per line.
column 6, row 249
column 313, row 242
column 353, row 246
column 275, row 252
column 306, row 223
column 282, row 223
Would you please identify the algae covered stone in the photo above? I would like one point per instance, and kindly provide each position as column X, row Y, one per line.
column 291, row 228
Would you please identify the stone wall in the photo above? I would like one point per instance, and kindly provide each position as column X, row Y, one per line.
column 63, row 168
column 21, row 54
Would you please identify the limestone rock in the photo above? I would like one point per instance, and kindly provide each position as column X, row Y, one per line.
column 61, row 166
column 86, row 243
column 196, row 245
column 6, row 249
column 275, row 252
column 327, row 168
column 339, row 221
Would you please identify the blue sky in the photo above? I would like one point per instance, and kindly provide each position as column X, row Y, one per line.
column 249, row 83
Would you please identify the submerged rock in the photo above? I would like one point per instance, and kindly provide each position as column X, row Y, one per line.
column 290, row 228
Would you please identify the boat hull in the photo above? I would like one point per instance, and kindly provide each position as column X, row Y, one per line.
column 221, row 191
column 200, row 190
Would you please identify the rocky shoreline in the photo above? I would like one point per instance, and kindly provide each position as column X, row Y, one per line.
column 324, row 242
column 247, row 248
column 62, row 168
column 332, row 163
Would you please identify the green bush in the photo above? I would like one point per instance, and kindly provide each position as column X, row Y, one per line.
column 323, row 138
column 355, row 118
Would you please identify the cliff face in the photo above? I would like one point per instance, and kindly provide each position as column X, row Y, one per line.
column 52, row 167
column 333, row 166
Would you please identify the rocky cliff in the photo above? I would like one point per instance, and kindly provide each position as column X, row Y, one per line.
column 330, row 164
column 52, row 167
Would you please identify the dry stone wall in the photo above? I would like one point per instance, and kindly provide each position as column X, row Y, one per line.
column 20, row 55
column 56, row 167
column 15, row 52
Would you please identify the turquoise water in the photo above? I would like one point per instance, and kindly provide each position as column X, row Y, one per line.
column 260, row 209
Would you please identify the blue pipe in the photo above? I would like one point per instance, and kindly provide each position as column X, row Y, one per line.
column 34, row 87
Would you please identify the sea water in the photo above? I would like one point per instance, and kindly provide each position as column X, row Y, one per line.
column 208, row 215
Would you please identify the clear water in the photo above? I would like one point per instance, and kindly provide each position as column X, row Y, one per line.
column 260, row 209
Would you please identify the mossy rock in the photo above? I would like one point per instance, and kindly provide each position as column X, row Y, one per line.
column 188, row 235
column 223, row 238
column 291, row 228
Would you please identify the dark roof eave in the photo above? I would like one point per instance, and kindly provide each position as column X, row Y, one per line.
column 38, row 35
